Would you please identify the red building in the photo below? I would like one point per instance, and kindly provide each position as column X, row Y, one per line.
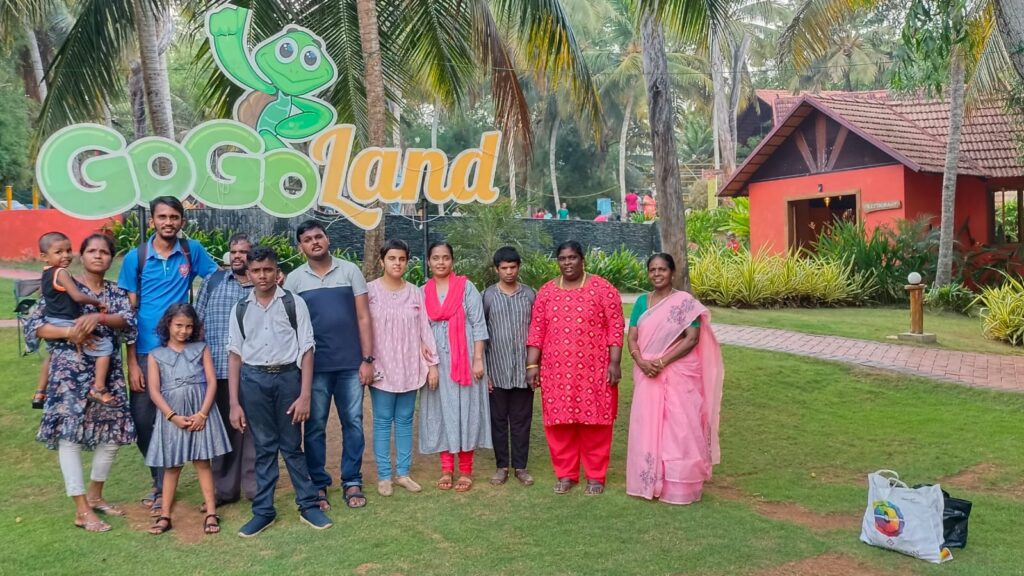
column 876, row 159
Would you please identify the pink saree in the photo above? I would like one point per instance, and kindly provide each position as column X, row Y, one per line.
column 673, row 424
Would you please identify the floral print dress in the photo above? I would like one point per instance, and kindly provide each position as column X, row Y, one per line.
column 68, row 414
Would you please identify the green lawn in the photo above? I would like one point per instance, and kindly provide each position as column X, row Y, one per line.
column 794, row 430
column 954, row 331
column 6, row 298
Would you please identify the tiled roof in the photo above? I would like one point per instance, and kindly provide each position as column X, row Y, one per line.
column 912, row 131
column 782, row 102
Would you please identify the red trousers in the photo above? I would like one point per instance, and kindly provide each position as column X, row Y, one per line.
column 465, row 462
column 570, row 443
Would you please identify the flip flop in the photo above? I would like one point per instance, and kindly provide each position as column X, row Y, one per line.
column 91, row 525
column 104, row 507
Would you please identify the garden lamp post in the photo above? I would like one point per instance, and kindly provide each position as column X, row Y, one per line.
column 915, row 289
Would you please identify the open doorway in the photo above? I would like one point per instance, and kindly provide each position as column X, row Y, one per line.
column 809, row 217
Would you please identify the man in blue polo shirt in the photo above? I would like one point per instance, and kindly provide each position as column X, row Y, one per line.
column 335, row 293
column 170, row 265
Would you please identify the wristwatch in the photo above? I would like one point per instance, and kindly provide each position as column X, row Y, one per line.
column 368, row 359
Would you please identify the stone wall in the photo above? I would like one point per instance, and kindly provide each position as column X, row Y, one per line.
column 642, row 239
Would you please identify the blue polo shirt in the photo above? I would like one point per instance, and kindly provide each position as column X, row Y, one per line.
column 165, row 281
column 331, row 300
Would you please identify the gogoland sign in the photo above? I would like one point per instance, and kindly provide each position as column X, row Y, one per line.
column 250, row 160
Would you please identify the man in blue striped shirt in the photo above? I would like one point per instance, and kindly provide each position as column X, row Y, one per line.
column 507, row 308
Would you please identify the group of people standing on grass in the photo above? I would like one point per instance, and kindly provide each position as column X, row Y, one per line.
column 249, row 373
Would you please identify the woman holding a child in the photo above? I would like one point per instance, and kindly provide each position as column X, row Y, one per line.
column 71, row 420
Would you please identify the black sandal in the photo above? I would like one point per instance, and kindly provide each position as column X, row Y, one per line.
column 38, row 399
column 358, row 493
column 322, row 501
column 211, row 527
column 162, row 525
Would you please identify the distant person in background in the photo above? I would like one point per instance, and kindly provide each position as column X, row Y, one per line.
column 650, row 206
column 601, row 218
column 547, row 215
column 563, row 212
column 631, row 202
column 538, row 215
column 731, row 242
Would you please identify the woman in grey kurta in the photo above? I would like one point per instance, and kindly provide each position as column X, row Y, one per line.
column 454, row 417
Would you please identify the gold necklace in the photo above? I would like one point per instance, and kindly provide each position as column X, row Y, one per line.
column 561, row 280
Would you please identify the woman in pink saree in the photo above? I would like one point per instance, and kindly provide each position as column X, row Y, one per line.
column 677, row 395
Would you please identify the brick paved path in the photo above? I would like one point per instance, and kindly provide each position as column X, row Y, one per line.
column 994, row 371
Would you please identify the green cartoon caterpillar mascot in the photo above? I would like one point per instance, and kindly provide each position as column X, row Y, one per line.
column 281, row 75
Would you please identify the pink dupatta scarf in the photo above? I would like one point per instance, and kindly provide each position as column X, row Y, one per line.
column 454, row 313
column 662, row 325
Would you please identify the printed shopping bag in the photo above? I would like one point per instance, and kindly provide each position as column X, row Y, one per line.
column 904, row 519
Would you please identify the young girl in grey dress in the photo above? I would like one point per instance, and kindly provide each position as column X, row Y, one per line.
column 183, row 386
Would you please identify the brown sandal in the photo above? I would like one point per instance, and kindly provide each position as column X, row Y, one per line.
column 464, row 484
column 211, row 527
column 564, row 485
column 445, row 481
column 162, row 525
column 594, row 488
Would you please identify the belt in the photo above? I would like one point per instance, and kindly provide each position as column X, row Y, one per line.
column 274, row 368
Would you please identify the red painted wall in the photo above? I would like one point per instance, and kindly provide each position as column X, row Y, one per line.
column 924, row 196
column 21, row 230
column 768, row 200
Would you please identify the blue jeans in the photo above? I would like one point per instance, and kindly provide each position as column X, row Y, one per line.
column 396, row 408
column 347, row 391
column 265, row 398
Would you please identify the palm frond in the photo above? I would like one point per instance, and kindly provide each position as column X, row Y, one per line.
column 511, row 112
column 810, row 34
column 549, row 47
column 86, row 71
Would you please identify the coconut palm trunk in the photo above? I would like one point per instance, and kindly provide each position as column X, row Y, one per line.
column 552, row 160
column 1010, row 18
column 36, row 60
column 672, row 224
column 957, row 87
column 623, row 134
column 376, row 106
column 726, row 142
column 154, row 69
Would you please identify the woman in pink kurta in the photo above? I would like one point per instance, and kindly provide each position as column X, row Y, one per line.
column 677, row 394
column 573, row 355
column 401, row 337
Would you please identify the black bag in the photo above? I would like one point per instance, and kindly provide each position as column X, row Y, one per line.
column 955, row 513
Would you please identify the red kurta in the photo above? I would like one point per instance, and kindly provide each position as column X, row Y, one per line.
column 573, row 329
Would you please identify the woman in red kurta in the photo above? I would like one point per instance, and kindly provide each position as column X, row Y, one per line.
column 573, row 354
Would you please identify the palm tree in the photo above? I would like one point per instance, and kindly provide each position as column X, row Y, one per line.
column 376, row 108
column 1010, row 18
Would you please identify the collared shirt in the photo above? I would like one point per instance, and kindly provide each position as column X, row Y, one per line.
column 214, row 306
column 331, row 300
column 165, row 281
column 508, row 323
column 269, row 337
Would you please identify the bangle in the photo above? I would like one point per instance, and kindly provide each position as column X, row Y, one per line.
column 201, row 414
column 661, row 363
column 171, row 415
column 634, row 352
column 528, row 366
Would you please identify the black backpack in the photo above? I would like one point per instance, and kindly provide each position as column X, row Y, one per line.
column 142, row 253
column 289, row 307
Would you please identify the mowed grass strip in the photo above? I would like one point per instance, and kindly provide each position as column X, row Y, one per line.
column 794, row 430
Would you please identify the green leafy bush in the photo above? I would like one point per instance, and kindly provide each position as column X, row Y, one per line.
column 952, row 297
column 537, row 269
column 886, row 255
column 744, row 279
column 289, row 256
column 478, row 234
column 738, row 218
column 414, row 273
column 1002, row 311
column 622, row 268
column 125, row 233
column 215, row 241
column 702, row 225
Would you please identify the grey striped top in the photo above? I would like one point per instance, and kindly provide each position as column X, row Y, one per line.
column 508, row 323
